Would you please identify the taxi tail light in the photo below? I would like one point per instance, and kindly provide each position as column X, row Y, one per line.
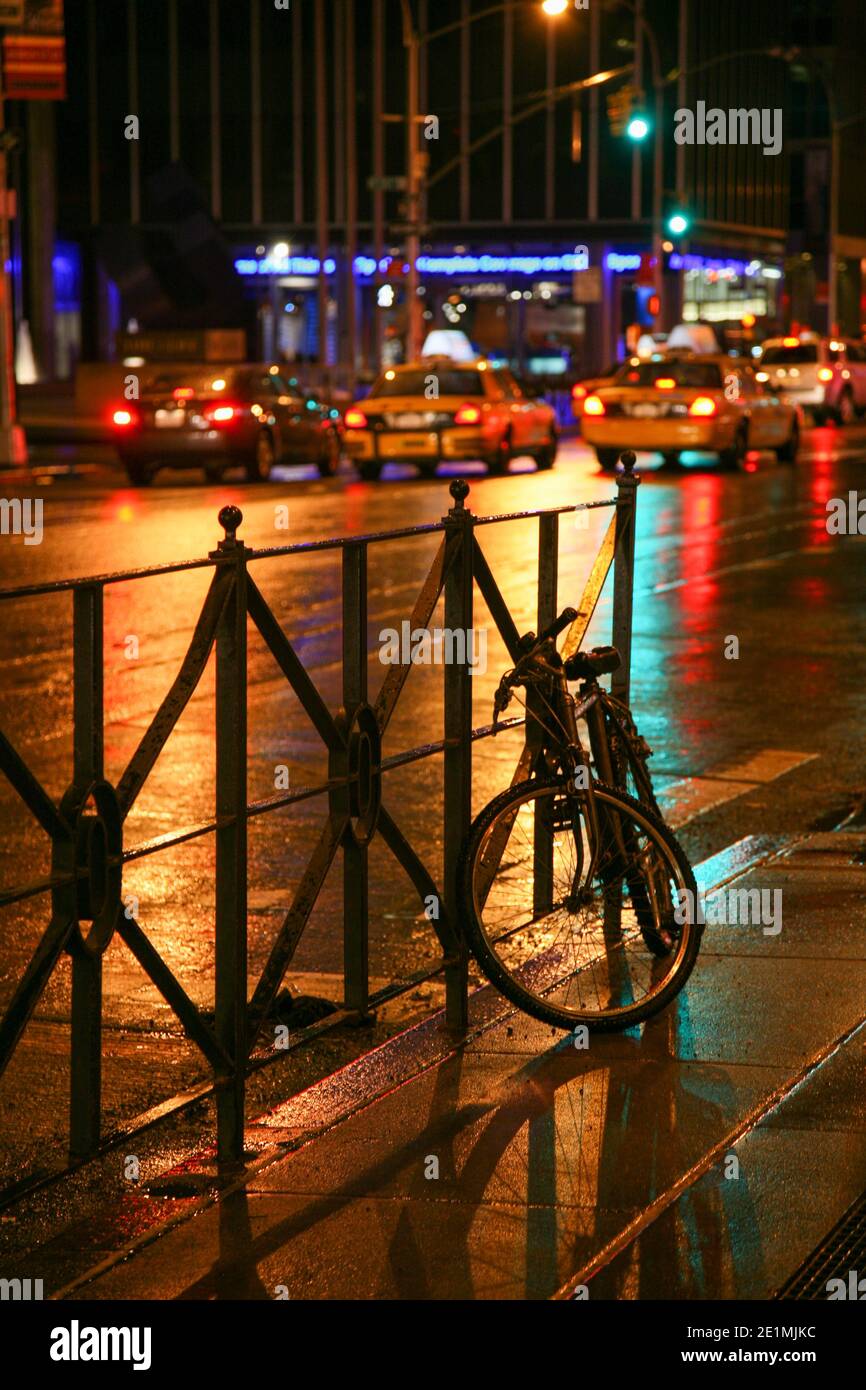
column 356, row 419
column 593, row 405
column 825, row 374
column 468, row 415
column 124, row 418
column 703, row 405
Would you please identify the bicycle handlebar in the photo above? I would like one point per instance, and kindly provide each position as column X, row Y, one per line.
column 565, row 619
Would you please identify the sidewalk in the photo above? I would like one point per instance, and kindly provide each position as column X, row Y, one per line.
column 706, row 1157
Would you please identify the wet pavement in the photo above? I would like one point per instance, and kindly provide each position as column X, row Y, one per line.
column 702, row 1156
column 766, row 744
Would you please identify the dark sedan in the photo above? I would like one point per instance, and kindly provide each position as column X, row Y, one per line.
column 254, row 417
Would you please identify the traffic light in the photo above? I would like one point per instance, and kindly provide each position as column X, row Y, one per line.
column 623, row 107
column 637, row 128
column 678, row 223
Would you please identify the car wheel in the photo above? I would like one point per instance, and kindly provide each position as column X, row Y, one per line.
column 369, row 469
column 329, row 454
column 498, row 463
column 139, row 474
column 546, row 457
column 788, row 451
column 735, row 457
column 607, row 459
column 845, row 412
column 261, row 467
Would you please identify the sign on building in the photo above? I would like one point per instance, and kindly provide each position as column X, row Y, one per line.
column 34, row 53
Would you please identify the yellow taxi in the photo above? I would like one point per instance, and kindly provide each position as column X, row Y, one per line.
column 702, row 402
column 439, row 410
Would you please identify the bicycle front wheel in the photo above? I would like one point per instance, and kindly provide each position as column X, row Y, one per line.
column 558, row 914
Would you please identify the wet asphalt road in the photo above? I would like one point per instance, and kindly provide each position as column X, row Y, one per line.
column 719, row 556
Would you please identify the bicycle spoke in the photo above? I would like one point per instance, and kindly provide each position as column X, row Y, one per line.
column 590, row 950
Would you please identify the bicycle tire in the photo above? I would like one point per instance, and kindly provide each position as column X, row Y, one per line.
column 537, row 1005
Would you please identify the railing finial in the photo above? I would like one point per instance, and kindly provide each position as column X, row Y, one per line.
column 459, row 490
column 230, row 519
column 628, row 460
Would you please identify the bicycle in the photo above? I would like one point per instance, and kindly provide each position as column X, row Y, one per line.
column 574, row 889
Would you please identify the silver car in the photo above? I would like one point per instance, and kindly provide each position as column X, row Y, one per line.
column 826, row 376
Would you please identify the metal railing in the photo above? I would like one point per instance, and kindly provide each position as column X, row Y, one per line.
column 86, row 826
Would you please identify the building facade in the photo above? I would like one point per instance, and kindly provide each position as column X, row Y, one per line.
column 241, row 164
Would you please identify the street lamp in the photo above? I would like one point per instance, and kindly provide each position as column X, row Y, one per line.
column 412, row 42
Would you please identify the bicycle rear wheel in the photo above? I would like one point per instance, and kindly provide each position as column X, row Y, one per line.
column 566, row 948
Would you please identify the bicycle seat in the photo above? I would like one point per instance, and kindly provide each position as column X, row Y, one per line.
column 590, row 665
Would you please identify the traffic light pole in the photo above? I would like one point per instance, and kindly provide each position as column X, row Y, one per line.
column 658, row 195
column 412, row 44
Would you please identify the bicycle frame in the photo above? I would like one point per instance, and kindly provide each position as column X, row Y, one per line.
column 566, row 750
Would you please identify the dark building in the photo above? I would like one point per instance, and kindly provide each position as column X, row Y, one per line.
column 264, row 188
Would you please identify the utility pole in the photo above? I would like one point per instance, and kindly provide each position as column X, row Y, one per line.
column 412, row 45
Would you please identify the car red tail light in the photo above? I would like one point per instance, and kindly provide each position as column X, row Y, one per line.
column 593, row 405
column 703, row 405
column 221, row 414
column 468, row 415
column 124, row 419
column 356, row 419
column 825, row 374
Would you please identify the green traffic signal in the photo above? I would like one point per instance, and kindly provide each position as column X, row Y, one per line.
column 678, row 223
column 638, row 128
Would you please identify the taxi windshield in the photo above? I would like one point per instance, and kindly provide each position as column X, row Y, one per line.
column 703, row 375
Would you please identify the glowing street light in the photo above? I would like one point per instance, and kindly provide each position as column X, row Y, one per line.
column 554, row 7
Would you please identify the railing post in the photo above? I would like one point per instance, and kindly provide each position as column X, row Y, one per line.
column 623, row 573
column 356, row 972
column 548, row 578
column 458, row 743
column 86, row 1030
column 231, row 845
